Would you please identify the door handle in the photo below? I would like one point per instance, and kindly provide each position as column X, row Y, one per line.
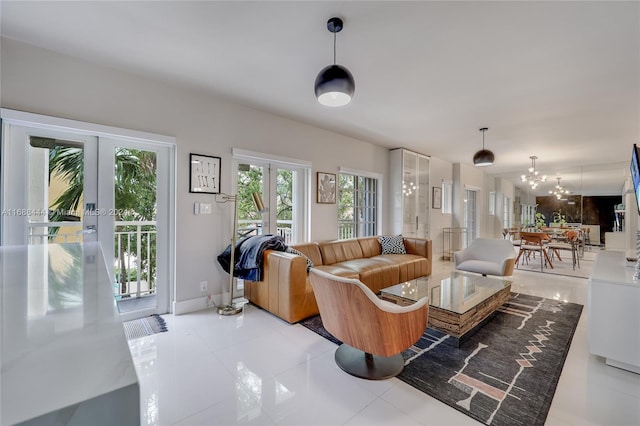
column 89, row 229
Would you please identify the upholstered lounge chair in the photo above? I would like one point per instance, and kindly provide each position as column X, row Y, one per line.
column 487, row 257
column 374, row 332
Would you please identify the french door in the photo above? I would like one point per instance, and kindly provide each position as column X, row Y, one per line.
column 283, row 188
column 79, row 186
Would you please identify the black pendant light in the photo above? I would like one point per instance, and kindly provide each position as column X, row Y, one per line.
column 334, row 84
column 484, row 157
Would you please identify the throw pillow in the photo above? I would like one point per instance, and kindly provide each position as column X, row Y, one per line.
column 299, row 253
column 392, row 244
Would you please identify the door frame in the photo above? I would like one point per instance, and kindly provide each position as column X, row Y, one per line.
column 49, row 123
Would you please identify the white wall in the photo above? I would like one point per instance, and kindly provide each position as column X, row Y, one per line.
column 43, row 82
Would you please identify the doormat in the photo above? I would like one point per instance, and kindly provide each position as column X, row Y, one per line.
column 506, row 373
column 144, row 326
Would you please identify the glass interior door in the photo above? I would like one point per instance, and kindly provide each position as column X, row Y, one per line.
column 54, row 200
column 277, row 187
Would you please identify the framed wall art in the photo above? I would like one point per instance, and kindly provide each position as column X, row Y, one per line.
column 326, row 188
column 436, row 197
column 204, row 174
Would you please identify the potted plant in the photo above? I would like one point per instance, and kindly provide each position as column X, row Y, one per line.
column 540, row 220
column 559, row 218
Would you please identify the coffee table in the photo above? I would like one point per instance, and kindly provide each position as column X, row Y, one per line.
column 459, row 303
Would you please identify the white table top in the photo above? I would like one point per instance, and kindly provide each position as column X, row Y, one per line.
column 62, row 338
column 613, row 268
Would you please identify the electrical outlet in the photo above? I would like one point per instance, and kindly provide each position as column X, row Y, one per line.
column 205, row 208
column 203, row 286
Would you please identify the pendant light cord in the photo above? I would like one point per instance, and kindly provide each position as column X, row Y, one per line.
column 334, row 48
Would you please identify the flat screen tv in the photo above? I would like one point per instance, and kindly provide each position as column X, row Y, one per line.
column 635, row 173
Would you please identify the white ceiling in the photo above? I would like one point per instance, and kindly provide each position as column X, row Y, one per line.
column 559, row 80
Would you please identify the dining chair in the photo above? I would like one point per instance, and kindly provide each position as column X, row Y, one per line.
column 572, row 244
column 532, row 243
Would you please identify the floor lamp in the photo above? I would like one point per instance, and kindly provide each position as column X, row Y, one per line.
column 230, row 309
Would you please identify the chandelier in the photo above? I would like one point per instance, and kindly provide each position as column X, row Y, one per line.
column 559, row 191
column 533, row 178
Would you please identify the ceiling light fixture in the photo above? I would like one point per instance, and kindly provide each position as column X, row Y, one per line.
column 559, row 191
column 334, row 84
column 533, row 178
column 484, row 157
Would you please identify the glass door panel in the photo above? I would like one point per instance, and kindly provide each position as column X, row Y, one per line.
column 251, row 179
column 56, row 191
column 409, row 193
column 285, row 180
column 135, row 226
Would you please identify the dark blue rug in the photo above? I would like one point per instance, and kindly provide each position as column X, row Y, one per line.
column 506, row 373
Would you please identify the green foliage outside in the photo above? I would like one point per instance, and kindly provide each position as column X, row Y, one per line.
column 135, row 200
column 250, row 181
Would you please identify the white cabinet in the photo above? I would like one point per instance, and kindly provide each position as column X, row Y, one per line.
column 409, row 179
column 614, row 311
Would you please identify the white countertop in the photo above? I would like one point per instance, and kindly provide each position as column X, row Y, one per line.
column 62, row 338
column 613, row 268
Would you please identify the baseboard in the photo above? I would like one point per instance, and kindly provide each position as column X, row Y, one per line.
column 193, row 305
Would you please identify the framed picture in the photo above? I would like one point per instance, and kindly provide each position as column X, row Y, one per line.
column 326, row 188
column 436, row 196
column 204, row 174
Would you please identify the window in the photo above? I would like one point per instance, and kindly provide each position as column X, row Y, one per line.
column 447, row 199
column 492, row 203
column 470, row 215
column 506, row 218
column 357, row 206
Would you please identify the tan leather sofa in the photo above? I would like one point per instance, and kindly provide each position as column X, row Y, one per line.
column 286, row 291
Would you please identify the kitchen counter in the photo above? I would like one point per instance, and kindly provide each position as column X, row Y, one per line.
column 64, row 353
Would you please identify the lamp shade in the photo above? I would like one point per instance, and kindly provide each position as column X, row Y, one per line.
column 258, row 203
column 334, row 86
column 484, row 157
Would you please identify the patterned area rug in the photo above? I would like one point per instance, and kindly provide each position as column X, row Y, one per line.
column 144, row 326
column 506, row 373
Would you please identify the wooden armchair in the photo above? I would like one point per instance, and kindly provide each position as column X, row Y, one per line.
column 374, row 332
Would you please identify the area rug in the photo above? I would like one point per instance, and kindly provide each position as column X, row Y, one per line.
column 506, row 373
column 144, row 326
column 563, row 267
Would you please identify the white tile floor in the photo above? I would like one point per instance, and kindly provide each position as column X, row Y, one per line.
column 257, row 369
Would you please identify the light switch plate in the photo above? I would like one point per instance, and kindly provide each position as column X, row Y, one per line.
column 196, row 208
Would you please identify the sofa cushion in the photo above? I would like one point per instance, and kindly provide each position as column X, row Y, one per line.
column 392, row 244
column 340, row 251
column 311, row 250
column 370, row 246
column 375, row 274
column 338, row 270
column 481, row 267
column 410, row 266
column 299, row 253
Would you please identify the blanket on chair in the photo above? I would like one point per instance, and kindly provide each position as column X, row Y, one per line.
column 249, row 255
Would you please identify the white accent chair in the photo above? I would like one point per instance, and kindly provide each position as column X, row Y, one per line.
column 487, row 257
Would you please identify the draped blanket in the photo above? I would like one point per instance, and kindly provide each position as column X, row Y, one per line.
column 249, row 255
